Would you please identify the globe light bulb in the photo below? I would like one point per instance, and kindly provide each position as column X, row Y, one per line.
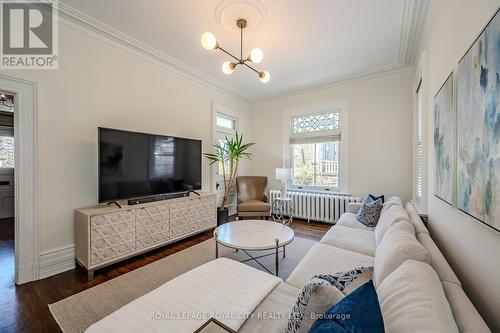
column 256, row 55
column 209, row 41
column 228, row 67
column 264, row 76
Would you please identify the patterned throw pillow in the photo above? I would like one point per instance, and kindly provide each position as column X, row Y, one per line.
column 318, row 295
column 375, row 198
column 369, row 213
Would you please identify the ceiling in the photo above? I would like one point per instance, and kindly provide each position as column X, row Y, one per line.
column 305, row 43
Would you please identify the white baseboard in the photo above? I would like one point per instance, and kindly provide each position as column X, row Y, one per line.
column 57, row 261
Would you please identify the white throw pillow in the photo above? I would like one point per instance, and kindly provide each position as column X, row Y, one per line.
column 387, row 219
column 412, row 300
column 399, row 244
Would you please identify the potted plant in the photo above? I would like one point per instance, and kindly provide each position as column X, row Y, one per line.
column 228, row 155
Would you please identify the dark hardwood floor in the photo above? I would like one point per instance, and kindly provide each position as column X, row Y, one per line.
column 24, row 308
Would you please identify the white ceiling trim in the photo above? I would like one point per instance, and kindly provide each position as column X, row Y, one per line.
column 413, row 18
column 84, row 24
column 375, row 73
column 412, row 25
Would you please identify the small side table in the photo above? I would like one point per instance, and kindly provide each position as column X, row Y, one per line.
column 283, row 210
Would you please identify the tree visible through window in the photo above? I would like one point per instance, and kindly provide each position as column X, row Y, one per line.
column 315, row 150
column 316, row 164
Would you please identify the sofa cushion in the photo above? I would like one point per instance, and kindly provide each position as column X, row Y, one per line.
column 280, row 300
column 369, row 213
column 392, row 201
column 352, row 239
column 353, row 207
column 326, row 259
column 253, row 206
column 349, row 220
column 415, row 219
column 363, row 309
column 412, row 300
column 466, row 316
column 399, row 244
column 387, row 219
column 438, row 262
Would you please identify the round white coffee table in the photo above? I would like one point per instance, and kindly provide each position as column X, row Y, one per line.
column 254, row 235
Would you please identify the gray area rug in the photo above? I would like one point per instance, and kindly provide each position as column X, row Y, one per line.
column 76, row 313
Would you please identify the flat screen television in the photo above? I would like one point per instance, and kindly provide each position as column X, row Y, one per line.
column 133, row 165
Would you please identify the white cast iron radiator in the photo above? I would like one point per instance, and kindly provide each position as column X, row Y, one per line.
column 312, row 206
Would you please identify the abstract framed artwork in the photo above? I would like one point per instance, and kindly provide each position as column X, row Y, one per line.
column 478, row 106
column 444, row 142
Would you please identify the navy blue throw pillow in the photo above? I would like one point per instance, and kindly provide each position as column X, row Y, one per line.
column 358, row 312
column 375, row 198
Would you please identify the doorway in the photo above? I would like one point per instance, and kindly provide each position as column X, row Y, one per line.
column 25, row 178
column 7, row 167
column 226, row 126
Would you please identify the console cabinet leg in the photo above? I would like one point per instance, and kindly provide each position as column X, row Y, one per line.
column 90, row 275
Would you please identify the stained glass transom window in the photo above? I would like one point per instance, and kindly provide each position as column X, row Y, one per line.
column 316, row 123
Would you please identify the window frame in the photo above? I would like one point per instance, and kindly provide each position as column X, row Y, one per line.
column 342, row 107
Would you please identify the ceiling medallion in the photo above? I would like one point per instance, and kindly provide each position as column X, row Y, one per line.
column 254, row 12
column 209, row 42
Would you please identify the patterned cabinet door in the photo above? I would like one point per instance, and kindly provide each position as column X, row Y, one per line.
column 208, row 211
column 181, row 216
column 111, row 236
column 152, row 225
column 188, row 216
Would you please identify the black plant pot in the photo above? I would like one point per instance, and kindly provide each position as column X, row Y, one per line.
column 222, row 216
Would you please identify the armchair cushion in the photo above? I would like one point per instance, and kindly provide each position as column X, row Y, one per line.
column 251, row 188
column 253, row 206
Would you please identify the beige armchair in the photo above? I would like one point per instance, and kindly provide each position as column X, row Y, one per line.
column 252, row 198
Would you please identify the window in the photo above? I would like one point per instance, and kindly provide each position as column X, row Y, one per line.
column 226, row 128
column 316, row 164
column 315, row 150
column 226, row 121
column 418, row 195
column 316, row 123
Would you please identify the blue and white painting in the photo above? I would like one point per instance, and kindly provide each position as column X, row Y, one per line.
column 444, row 133
column 479, row 127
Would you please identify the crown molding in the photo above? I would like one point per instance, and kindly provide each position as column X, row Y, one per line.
column 85, row 25
column 413, row 18
column 380, row 72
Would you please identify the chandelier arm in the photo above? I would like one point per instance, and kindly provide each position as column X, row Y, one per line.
column 256, row 71
column 229, row 54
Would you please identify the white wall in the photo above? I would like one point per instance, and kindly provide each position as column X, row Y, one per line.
column 471, row 248
column 97, row 85
column 380, row 119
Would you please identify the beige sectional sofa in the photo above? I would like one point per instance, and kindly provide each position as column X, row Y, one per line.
column 418, row 291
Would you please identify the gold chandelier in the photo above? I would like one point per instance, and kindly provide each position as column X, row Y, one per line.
column 209, row 42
